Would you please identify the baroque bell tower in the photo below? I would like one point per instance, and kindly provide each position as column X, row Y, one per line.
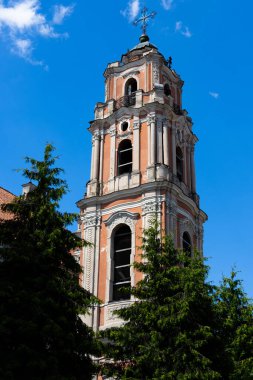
column 142, row 166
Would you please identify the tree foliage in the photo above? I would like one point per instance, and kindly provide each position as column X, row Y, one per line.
column 234, row 313
column 41, row 333
column 180, row 327
column 168, row 332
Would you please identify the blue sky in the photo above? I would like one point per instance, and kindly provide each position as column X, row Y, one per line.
column 52, row 58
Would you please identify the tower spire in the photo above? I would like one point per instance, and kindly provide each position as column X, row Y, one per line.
column 143, row 20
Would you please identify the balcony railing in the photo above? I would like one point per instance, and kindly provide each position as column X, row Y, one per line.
column 125, row 101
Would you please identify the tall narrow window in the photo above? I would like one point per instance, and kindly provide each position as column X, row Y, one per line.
column 125, row 156
column 187, row 245
column 122, row 253
column 167, row 91
column 179, row 161
column 130, row 89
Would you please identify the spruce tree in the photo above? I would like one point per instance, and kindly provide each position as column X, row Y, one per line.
column 167, row 332
column 234, row 313
column 41, row 333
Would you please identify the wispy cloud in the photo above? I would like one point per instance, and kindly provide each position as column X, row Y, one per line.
column 61, row 12
column 167, row 4
column 132, row 10
column 22, row 21
column 183, row 29
column 214, row 95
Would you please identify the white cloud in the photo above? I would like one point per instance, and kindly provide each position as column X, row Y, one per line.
column 60, row 12
column 24, row 47
column 178, row 26
column 132, row 10
column 167, row 4
column 21, row 15
column 186, row 32
column 214, row 95
column 22, row 21
column 183, row 29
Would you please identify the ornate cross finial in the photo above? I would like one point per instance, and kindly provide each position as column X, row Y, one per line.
column 144, row 19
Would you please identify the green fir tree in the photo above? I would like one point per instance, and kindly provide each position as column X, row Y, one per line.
column 234, row 313
column 167, row 332
column 41, row 333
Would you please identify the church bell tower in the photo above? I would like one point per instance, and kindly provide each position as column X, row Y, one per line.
column 142, row 166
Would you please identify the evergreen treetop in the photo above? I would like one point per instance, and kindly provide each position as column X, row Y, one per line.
column 41, row 333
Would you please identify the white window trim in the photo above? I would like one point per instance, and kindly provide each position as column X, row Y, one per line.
column 121, row 217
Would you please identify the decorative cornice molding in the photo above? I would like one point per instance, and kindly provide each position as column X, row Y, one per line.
column 131, row 73
column 91, row 220
column 152, row 206
column 121, row 217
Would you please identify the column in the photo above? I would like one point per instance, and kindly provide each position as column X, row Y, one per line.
column 193, row 171
column 101, row 159
column 136, row 146
column 166, row 152
column 159, row 146
column 112, row 156
column 92, row 159
column 185, row 164
column 174, row 158
column 152, row 140
column 149, row 145
column 189, row 183
column 96, row 156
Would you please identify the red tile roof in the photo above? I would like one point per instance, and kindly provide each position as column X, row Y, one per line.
column 5, row 197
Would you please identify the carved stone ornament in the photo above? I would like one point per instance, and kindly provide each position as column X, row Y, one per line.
column 110, row 313
column 152, row 206
column 124, row 135
column 131, row 74
column 112, row 131
column 136, row 125
column 151, row 118
column 96, row 134
column 121, row 217
column 91, row 220
column 156, row 72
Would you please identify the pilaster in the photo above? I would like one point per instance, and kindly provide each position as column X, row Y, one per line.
column 152, row 147
column 193, row 171
column 174, row 159
column 136, row 153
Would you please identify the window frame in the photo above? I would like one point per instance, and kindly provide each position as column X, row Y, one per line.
column 116, row 268
column 180, row 164
column 187, row 242
column 121, row 165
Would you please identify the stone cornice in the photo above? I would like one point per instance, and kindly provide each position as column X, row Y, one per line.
column 150, row 186
column 155, row 107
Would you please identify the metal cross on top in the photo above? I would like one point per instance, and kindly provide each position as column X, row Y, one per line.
column 144, row 19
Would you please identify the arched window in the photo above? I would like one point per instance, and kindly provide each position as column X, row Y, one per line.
column 167, row 91
column 179, row 161
column 187, row 245
column 122, row 254
column 125, row 153
column 130, row 89
column 130, row 86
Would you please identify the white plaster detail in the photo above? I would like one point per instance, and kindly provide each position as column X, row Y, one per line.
column 116, row 219
column 121, row 217
column 156, row 76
